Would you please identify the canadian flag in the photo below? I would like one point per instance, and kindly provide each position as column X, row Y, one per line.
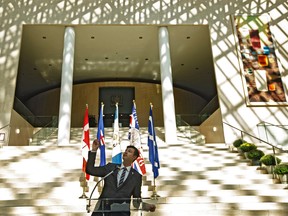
column 85, row 142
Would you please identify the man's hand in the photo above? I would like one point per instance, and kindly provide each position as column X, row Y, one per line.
column 152, row 207
column 95, row 145
column 148, row 207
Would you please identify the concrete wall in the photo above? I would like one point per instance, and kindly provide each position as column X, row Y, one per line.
column 214, row 13
column 20, row 130
column 212, row 128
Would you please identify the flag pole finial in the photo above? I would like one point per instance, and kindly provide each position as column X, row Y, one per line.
column 134, row 103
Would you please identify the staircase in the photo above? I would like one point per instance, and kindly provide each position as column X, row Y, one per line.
column 195, row 179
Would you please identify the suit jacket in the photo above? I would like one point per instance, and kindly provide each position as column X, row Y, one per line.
column 130, row 187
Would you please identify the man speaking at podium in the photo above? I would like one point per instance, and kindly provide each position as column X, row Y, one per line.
column 123, row 183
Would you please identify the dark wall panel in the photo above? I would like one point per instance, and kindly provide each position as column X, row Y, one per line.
column 109, row 96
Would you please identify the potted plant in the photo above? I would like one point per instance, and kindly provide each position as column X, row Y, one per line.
column 281, row 170
column 269, row 161
column 237, row 143
column 246, row 147
column 254, row 156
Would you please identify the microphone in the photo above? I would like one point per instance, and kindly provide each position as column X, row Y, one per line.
column 104, row 177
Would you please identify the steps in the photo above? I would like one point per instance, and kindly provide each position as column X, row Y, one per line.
column 195, row 179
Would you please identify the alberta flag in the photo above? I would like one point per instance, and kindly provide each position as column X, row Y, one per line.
column 85, row 142
column 135, row 139
column 153, row 149
column 116, row 151
column 101, row 137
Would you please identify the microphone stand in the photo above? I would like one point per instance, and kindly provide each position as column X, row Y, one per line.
column 89, row 203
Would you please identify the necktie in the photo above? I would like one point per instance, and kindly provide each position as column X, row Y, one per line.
column 122, row 177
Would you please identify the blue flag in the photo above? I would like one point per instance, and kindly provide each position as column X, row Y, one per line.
column 116, row 151
column 153, row 149
column 101, row 137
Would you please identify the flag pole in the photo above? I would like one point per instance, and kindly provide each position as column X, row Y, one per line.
column 134, row 137
column 116, row 146
column 82, row 179
column 101, row 185
column 154, row 193
column 84, row 185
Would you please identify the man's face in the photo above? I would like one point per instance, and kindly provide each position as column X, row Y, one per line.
column 128, row 155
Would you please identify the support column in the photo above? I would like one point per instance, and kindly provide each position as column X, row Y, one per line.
column 64, row 123
column 167, row 87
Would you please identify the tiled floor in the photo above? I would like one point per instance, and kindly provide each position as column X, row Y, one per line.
column 195, row 179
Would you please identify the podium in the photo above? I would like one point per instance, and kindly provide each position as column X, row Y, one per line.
column 117, row 206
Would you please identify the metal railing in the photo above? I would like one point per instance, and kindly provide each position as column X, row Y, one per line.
column 259, row 139
column 191, row 119
column 189, row 131
column 45, row 132
column 4, row 135
column 274, row 134
column 4, row 127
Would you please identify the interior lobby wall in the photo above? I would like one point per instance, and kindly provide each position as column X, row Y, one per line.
column 216, row 14
column 20, row 131
column 212, row 128
column 47, row 103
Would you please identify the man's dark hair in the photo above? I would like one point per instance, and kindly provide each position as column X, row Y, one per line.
column 136, row 151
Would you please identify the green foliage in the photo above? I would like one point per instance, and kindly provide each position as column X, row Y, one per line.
column 255, row 154
column 281, row 169
column 238, row 142
column 269, row 160
column 246, row 147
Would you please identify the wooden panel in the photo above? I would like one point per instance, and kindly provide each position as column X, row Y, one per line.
column 47, row 104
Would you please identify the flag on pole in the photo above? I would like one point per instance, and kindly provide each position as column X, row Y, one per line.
column 134, row 129
column 153, row 149
column 116, row 151
column 101, row 137
column 85, row 142
column 135, row 139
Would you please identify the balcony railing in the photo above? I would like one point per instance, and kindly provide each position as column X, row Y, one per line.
column 45, row 132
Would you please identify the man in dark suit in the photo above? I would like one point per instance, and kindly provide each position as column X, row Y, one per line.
column 123, row 183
